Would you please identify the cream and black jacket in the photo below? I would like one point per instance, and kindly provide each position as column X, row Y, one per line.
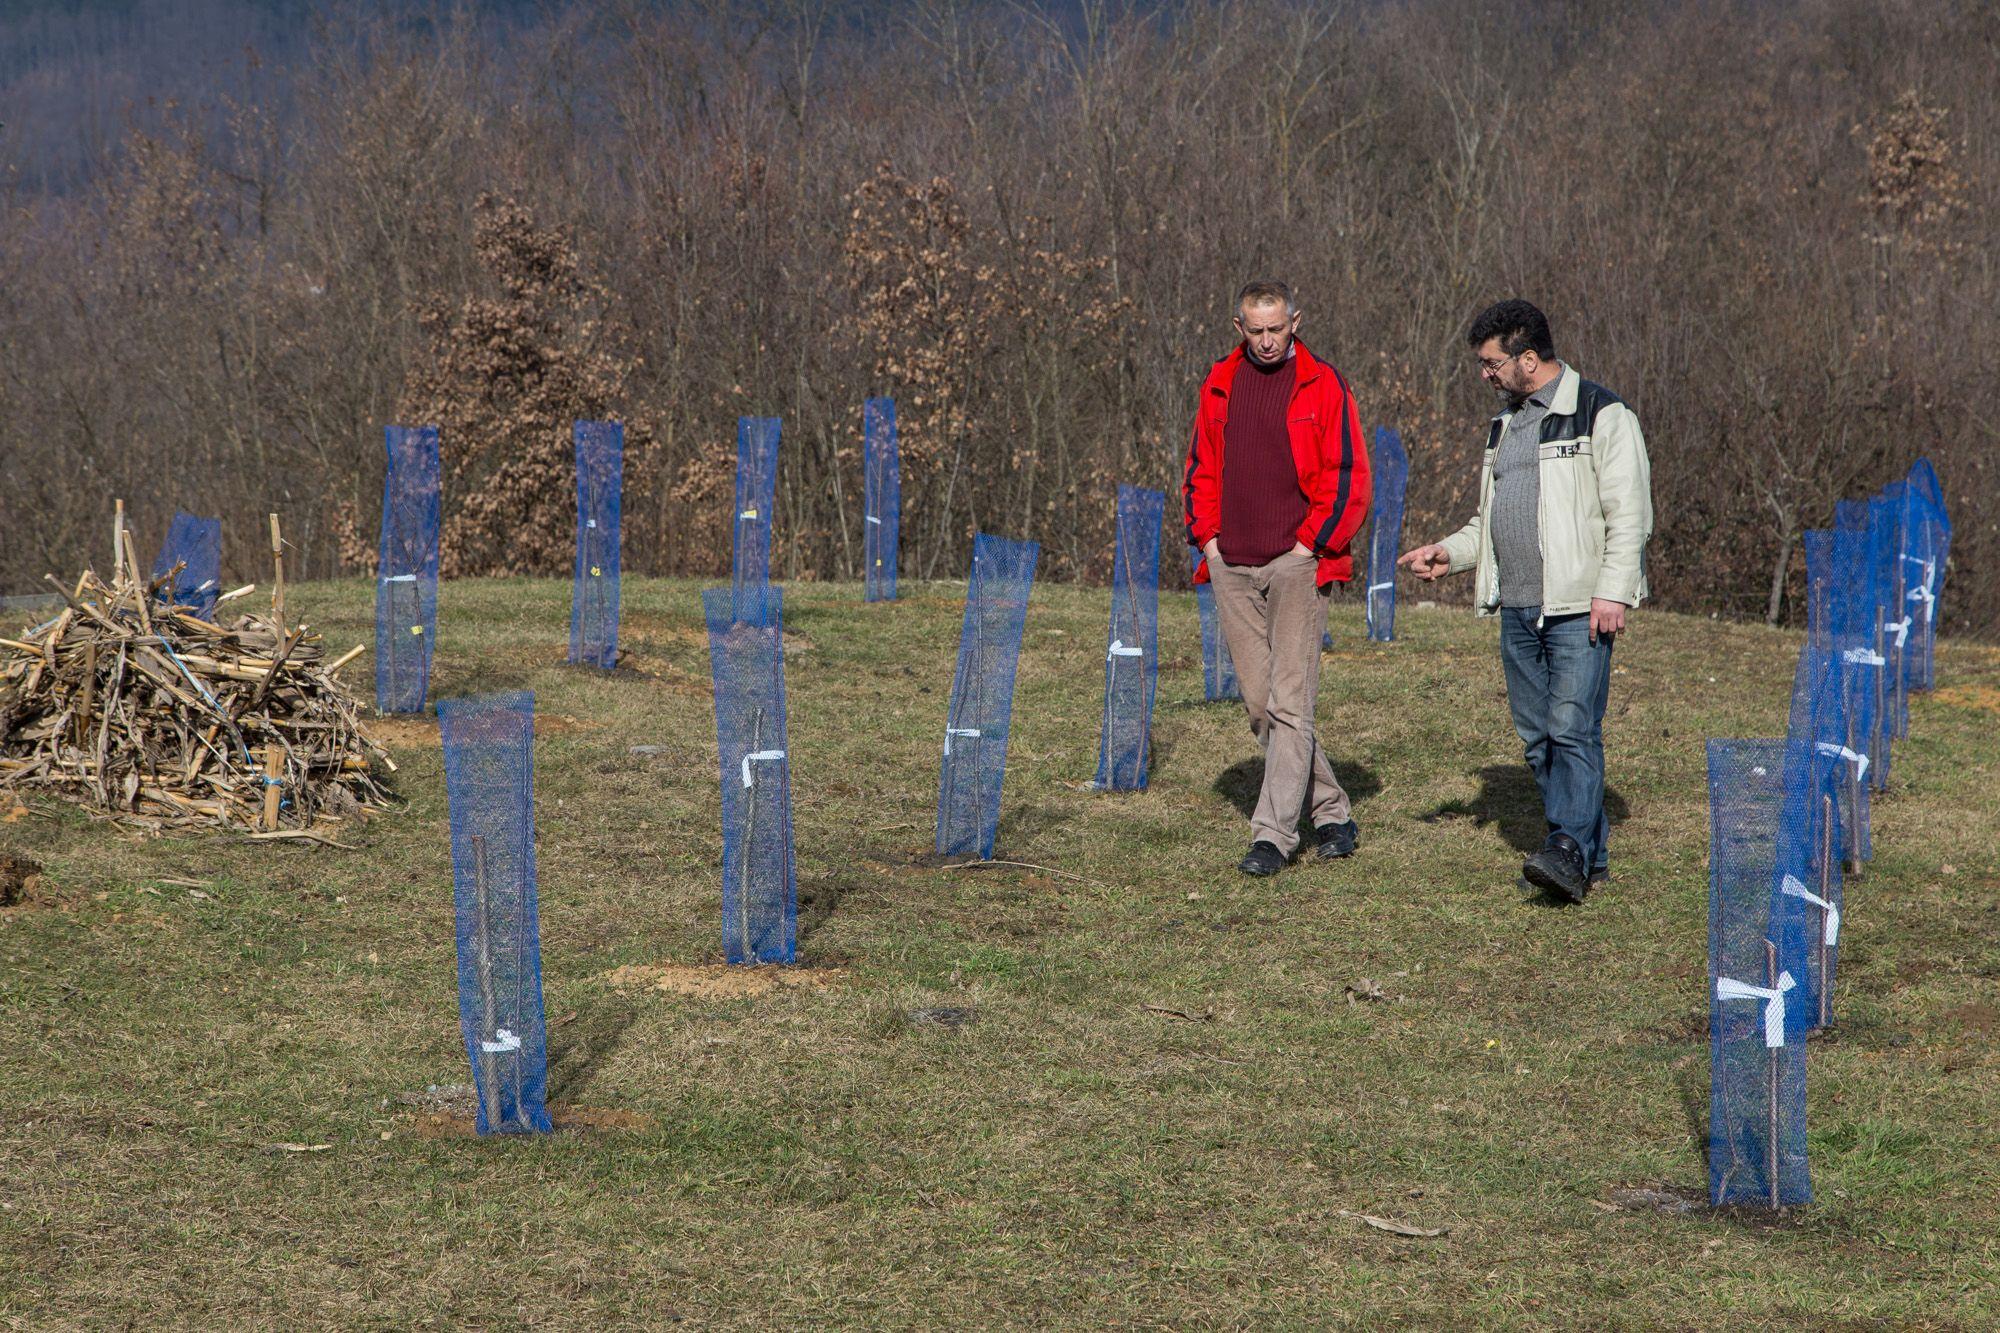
column 1596, row 508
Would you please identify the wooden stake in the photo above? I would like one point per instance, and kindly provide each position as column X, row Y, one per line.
column 138, row 589
column 482, row 967
column 273, row 757
column 118, row 540
column 1826, row 892
column 89, row 693
column 278, row 587
column 1771, row 1151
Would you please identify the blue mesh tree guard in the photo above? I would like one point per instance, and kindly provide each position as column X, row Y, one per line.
column 196, row 545
column 1218, row 673
column 1926, row 542
column 756, row 498
column 1823, row 691
column 1889, row 509
column 600, row 486
column 1857, row 632
column 882, row 501
column 1880, row 553
column 982, row 695
column 1132, row 659
column 406, row 570
column 760, row 899
column 489, row 777
column 1805, row 913
column 1757, row 1066
column 1385, row 531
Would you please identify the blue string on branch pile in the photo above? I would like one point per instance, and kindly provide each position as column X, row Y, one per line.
column 760, row 901
column 406, row 572
column 882, row 501
column 600, row 485
column 490, row 785
column 1757, row 1062
column 756, row 497
column 1218, row 672
column 196, row 545
column 982, row 696
column 1391, row 467
column 1926, row 543
column 1132, row 657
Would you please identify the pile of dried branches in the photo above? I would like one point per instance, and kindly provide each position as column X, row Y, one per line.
column 135, row 707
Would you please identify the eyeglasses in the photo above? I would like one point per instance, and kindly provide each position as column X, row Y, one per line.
column 1493, row 367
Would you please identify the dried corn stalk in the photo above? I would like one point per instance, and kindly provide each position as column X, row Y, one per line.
column 136, row 708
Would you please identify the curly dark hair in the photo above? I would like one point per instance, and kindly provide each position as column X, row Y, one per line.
column 1517, row 325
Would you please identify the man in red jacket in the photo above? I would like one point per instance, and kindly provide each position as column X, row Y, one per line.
column 1276, row 486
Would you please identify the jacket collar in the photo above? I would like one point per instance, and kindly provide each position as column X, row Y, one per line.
column 1309, row 365
column 1563, row 403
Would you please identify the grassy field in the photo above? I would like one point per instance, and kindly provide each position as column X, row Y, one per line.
column 1072, row 1156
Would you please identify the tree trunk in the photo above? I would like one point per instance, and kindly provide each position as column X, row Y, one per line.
column 1779, row 567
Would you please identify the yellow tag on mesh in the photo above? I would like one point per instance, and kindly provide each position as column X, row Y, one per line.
column 416, row 629
column 595, row 572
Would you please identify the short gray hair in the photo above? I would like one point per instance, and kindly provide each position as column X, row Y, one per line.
column 1267, row 291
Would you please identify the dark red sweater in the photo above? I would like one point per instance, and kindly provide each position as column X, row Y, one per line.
column 1262, row 505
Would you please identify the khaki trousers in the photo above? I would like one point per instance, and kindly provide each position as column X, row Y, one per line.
column 1273, row 617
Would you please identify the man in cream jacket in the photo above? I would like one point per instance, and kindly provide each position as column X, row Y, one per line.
column 1557, row 551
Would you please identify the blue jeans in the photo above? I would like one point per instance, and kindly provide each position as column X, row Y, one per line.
column 1557, row 683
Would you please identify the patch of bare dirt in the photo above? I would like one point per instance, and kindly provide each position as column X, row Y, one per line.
column 1982, row 1018
column 422, row 732
column 1984, row 698
column 409, row 732
column 19, row 880
column 566, row 1119
column 718, row 981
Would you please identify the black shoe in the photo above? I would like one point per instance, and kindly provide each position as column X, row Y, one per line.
column 1559, row 868
column 1337, row 840
column 1263, row 860
column 1600, row 876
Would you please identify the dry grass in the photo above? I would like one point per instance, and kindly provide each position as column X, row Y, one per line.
column 1155, row 1095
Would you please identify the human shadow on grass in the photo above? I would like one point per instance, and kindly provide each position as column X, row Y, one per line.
column 1509, row 800
column 579, row 1044
column 1244, row 779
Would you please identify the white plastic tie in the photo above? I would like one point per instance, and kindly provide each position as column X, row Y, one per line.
column 748, row 513
column 758, row 756
column 590, row 522
column 1860, row 761
column 949, row 732
column 1374, row 588
column 1865, row 657
column 1921, row 594
column 876, row 521
column 1728, row 988
column 1901, row 629
column 206, row 584
column 400, row 578
column 504, row 1041
column 1118, row 649
column 1798, row 890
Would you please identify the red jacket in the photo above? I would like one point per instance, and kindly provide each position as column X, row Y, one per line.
column 1332, row 463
